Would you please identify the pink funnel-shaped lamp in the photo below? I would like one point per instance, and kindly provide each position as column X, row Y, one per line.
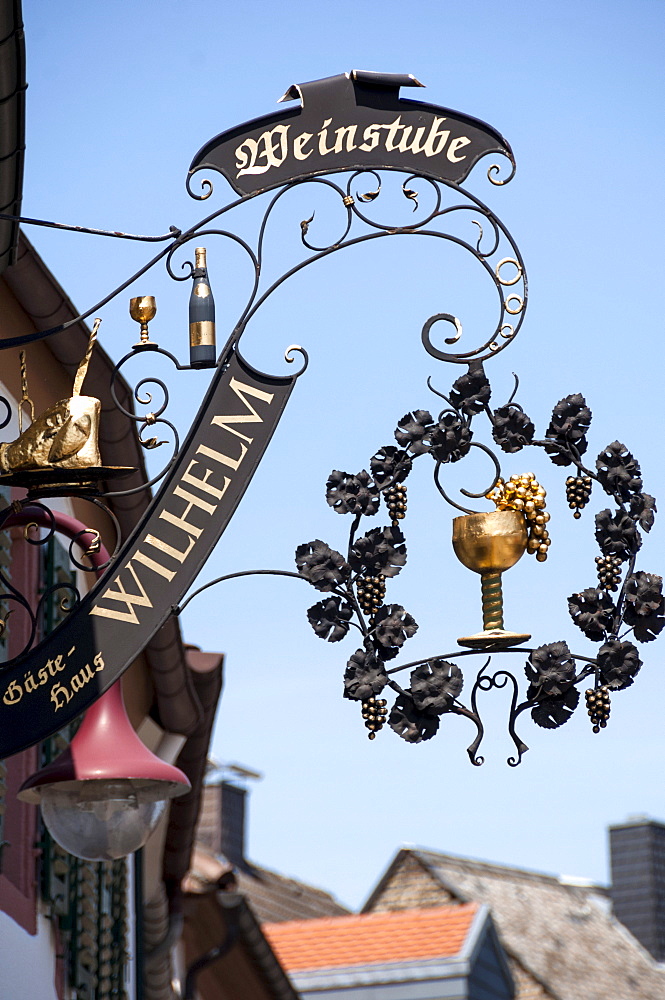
column 103, row 796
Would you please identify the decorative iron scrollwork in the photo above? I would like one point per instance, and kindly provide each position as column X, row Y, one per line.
column 353, row 585
column 357, row 581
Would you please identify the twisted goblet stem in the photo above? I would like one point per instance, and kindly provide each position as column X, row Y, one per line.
column 492, row 598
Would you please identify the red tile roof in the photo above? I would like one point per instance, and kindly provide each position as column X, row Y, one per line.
column 368, row 938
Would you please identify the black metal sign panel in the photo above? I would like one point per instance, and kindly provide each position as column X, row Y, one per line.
column 347, row 122
column 68, row 671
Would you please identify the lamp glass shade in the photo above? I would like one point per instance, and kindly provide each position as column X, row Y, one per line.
column 102, row 820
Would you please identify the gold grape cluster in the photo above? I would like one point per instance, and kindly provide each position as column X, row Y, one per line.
column 374, row 712
column 525, row 494
column 598, row 706
column 371, row 592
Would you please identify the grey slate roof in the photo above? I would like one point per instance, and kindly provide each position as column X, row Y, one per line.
column 563, row 933
column 275, row 898
column 272, row 897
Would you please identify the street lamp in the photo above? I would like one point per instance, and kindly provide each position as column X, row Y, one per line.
column 104, row 795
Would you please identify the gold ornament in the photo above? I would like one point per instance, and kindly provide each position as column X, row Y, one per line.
column 143, row 309
column 525, row 494
column 60, row 447
column 489, row 544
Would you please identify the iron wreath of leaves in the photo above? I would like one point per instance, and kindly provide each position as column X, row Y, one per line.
column 357, row 581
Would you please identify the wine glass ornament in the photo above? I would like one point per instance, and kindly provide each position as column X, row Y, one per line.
column 143, row 309
column 489, row 544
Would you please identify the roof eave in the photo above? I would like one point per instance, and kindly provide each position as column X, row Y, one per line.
column 382, row 974
column 12, row 125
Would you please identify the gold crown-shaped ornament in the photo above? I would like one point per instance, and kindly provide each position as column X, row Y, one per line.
column 60, row 448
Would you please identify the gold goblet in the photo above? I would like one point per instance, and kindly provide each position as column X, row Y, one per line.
column 489, row 544
column 143, row 308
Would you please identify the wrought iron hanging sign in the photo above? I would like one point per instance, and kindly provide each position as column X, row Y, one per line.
column 355, row 124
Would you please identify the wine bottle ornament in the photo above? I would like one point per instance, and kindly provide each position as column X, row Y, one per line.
column 202, row 345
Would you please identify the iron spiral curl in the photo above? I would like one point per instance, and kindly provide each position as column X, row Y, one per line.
column 151, row 419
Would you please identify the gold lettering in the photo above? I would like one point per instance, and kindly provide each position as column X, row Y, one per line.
column 298, row 144
column 275, row 154
column 55, row 666
column 403, row 144
column 169, row 549
column 256, row 156
column 129, row 600
column 13, row 694
column 392, row 132
column 240, row 389
column 202, row 484
column 415, row 144
column 431, row 148
column 347, row 132
column 60, row 695
column 182, row 522
column 56, row 691
column 217, row 456
column 271, row 147
column 246, row 158
column 371, row 137
column 232, row 463
column 193, row 501
column 156, row 567
column 83, row 677
column 86, row 674
column 454, row 146
column 323, row 135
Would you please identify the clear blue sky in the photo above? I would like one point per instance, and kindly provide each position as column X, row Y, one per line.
column 121, row 95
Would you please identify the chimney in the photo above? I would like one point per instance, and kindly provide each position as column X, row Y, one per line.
column 637, row 853
column 221, row 826
column 233, row 823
